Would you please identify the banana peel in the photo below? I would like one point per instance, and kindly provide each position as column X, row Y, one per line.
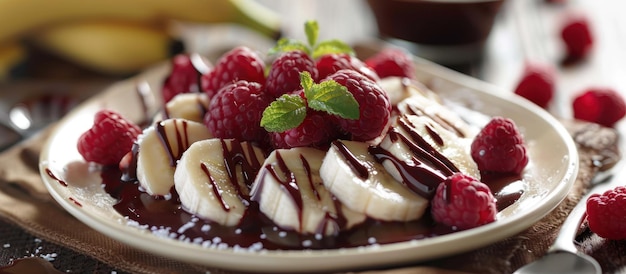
column 108, row 47
column 20, row 17
column 117, row 36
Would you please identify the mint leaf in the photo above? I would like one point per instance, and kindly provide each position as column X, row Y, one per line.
column 286, row 45
column 306, row 80
column 332, row 97
column 331, row 46
column 287, row 112
column 311, row 29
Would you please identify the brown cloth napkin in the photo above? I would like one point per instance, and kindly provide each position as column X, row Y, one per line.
column 25, row 202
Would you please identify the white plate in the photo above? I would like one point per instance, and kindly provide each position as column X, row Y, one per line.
column 548, row 178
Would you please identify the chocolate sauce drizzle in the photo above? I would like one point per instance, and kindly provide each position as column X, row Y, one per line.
column 418, row 144
column 182, row 140
column 215, row 187
column 413, row 109
column 359, row 168
column 234, row 157
column 290, row 185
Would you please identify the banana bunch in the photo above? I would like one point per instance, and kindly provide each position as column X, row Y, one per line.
column 115, row 36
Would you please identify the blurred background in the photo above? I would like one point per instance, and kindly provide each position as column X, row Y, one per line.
column 55, row 54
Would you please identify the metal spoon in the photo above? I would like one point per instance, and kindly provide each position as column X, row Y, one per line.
column 563, row 256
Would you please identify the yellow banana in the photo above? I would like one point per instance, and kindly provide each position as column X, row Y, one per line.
column 12, row 54
column 107, row 47
column 22, row 16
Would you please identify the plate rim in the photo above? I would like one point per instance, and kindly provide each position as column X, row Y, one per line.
column 307, row 260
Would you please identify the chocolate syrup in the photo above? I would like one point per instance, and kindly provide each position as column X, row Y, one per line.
column 54, row 177
column 166, row 217
column 361, row 170
column 417, row 176
column 215, row 187
column 235, row 156
column 414, row 109
column 289, row 183
column 182, row 140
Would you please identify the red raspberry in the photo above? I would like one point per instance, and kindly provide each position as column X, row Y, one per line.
column 331, row 63
column 240, row 63
column 606, row 213
column 600, row 105
column 537, row 84
column 374, row 105
column 317, row 130
column 392, row 62
column 284, row 75
column 499, row 147
column 236, row 111
column 463, row 202
column 109, row 139
column 576, row 36
column 183, row 78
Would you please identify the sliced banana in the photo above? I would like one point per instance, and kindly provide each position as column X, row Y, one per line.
column 397, row 88
column 289, row 191
column 353, row 175
column 160, row 147
column 424, row 102
column 425, row 153
column 213, row 178
column 188, row 106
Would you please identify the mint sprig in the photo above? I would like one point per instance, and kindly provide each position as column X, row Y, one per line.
column 289, row 111
column 331, row 97
column 313, row 48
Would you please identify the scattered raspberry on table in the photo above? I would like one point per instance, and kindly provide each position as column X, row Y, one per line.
column 577, row 36
column 604, row 106
column 537, row 84
column 606, row 213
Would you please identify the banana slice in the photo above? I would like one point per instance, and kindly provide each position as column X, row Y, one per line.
column 213, row 178
column 424, row 102
column 421, row 153
column 160, row 147
column 354, row 176
column 188, row 106
column 397, row 88
column 289, row 191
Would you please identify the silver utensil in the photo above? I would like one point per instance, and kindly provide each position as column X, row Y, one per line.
column 563, row 256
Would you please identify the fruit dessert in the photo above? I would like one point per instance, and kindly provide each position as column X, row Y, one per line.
column 309, row 148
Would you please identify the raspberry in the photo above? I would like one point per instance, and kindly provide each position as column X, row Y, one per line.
column 236, row 110
column 240, row 63
column 374, row 105
column 109, row 139
column 392, row 62
column 576, row 36
column 599, row 105
column 183, row 78
column 499, row 147
column 331, row 63
column 537, row 84
column 463, row 202
column 284, row 75
column 317, row 130
column 606, row 213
